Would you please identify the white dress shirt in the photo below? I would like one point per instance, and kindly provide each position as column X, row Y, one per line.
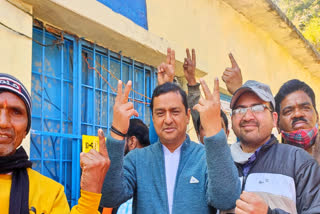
column 171, row 160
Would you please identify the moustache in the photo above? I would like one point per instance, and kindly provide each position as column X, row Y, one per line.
column 244, row 123
column 6, row 131
column 296, row 119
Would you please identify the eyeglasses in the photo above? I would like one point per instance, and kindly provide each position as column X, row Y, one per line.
column 254, row 109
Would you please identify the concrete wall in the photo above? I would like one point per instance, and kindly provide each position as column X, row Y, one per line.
column 16, row 50
column 214, row 29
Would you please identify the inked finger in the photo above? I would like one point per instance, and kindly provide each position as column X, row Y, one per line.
column 205, row 89
column 233, row 61
column 119, row 92
column 188, row 53
column 126, row 92
column 194, row 57
column 216, row 85
column 102, row 144
column 173, row 57
column 168, row 55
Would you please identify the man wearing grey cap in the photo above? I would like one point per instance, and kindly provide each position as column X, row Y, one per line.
column 276, row 178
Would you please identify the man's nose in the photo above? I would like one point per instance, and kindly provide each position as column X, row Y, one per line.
column 248, row 115
column 298, row 113
column 168, row 118
column 4, row 118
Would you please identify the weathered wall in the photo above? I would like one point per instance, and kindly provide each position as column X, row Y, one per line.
column 212, row 27
column 16, row 50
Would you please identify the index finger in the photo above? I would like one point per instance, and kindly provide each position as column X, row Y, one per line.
column 102, row 144
column 119, row 91
column 205, row 89
column 173, row 57
column 126, row 92
column 168, row 55
column 216, row 85
column 188, row 53
column 194, row 57
column 233, row 61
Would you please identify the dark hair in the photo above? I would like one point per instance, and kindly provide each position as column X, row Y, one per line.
column 166, row 88
column 138, row 129
column 293, row 86
column 224, row 119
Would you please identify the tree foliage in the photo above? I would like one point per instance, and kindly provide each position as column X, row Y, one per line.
column 305, row 15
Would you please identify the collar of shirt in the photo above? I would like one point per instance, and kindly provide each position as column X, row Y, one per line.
column 171, row 160
column 247, row 166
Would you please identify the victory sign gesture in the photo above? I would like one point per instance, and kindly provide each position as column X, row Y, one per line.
column 166, row 69
column 189, row 67
column 122, row 111
column 209, row 109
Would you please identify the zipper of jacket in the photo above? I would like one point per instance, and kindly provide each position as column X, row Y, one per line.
column 244, row 180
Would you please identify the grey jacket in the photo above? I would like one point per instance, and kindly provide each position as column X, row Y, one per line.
column 286, row 177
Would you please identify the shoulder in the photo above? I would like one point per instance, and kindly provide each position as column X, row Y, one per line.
column 293, row 154
column 142, row 153
column 43, row 182
column 293, row 150
column 46, row 194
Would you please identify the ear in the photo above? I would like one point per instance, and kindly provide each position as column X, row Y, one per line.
column 132, row 143
column 275, row 119
column 188, row 115
column 25, row 134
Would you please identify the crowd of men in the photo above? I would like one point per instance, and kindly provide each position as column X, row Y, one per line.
column 172, row 175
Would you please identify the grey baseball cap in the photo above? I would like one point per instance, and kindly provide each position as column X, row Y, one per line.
column 263, row 91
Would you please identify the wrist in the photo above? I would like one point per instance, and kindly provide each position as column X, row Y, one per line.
column 116, row 133
column 192, row 82
column 212, row 130
column 92, row 189
column 115, row 136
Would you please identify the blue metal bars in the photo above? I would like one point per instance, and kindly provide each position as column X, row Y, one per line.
column 73, row 94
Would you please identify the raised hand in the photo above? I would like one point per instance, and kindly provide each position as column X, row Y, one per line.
column 209, row 109
column 251, row 203
column 166, row 70
column 122, row 110
column 189, row 67
column 232, row 76
column 94, row 165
